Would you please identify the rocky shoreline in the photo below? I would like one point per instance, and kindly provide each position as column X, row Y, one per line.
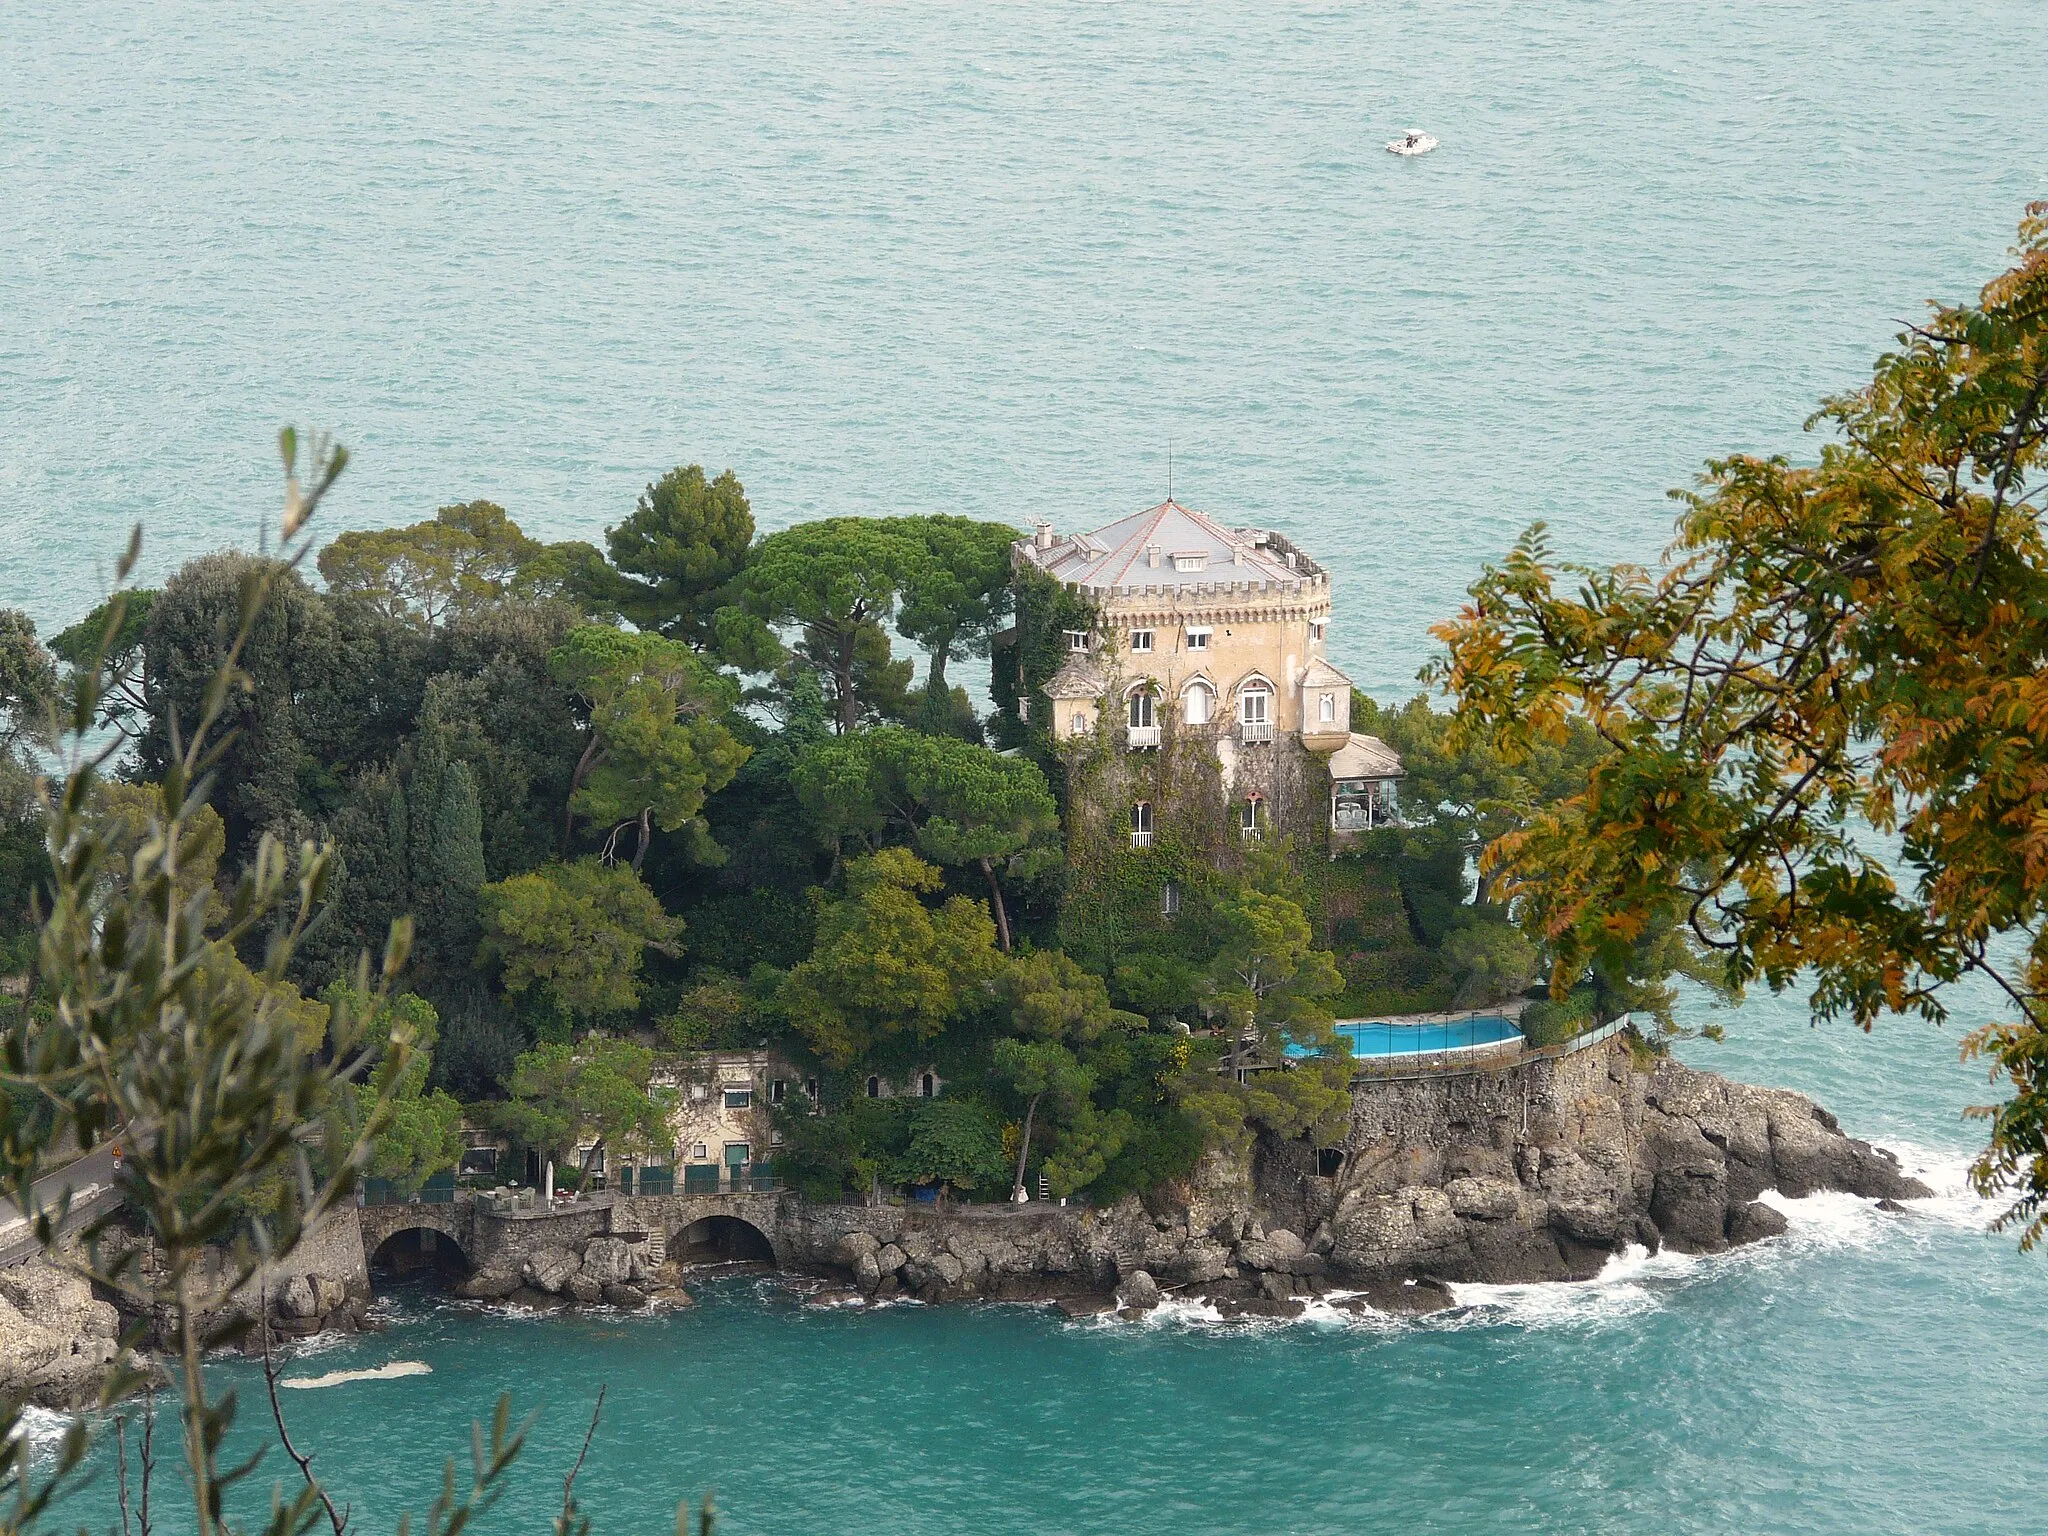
column 1538, row 1172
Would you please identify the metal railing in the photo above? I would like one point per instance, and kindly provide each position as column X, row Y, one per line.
column 438, row 1190
column 715, row 1179
column 1470, row 1060
column 652, row 1181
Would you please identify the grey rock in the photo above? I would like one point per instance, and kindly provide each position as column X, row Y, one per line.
column 1140, row 1291
column 328, row 1294
column 1200, row 1262
column 1288, row 1248
column 867, row 1272
column 549, row 1269
column 848, row 1250
column 580, row 1287
column 488, row 1286
column 56, row 1338
column 1484, row 1199
column 1753, row 1222
column 889, row 1258
column 624, row 1296
column 295, row 1298
column 608, row 1261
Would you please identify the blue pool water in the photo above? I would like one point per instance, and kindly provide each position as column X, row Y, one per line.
column 1000, row 260
column 1381, row 1038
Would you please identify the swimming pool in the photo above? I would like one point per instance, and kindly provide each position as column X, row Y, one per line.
column 1384, row 1037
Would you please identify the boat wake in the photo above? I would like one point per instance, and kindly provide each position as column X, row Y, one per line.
column 391, row 1372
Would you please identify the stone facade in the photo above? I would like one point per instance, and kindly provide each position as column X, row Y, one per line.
column 1214, row 639
column 723, row 1106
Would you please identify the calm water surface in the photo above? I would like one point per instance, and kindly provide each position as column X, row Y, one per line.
column 1003, row 261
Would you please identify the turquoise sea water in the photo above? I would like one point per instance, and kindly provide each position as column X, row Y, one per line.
column 1003, row 260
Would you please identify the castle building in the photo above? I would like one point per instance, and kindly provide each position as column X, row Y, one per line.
column 1220, row 635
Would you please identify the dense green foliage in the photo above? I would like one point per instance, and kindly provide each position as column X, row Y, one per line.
column 684, row 795
column 1826, row 650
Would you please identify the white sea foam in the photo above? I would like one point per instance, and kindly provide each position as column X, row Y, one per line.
column 43, row 1429
column 391, row 1372
column 1628, row 1284
column 1635, row 1280
column 1830, row 1220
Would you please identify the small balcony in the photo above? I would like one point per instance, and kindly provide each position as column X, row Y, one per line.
column 1142, row 736
column 1141, row 839
column 1254, row 733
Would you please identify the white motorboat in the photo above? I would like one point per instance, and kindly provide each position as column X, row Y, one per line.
column 1413, row 142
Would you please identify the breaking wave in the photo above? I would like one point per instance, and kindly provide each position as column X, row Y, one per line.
column 1635, row 1281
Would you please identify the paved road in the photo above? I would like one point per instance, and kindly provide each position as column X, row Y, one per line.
column 89, row 1175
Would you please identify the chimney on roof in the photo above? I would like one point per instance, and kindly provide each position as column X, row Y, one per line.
column 1237, row 554
column 1152, row 555
column 1043, row 538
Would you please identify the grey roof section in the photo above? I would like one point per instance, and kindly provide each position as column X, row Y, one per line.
column 1323, row 673
column 1171, row 546
column 1365, row 757
column 1080, row 678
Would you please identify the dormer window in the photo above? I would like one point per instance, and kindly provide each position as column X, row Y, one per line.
column 1077, row 639
column 1141, row 640
column 1191, row 560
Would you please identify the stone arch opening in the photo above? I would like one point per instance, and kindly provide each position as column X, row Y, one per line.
column 421, row 1253
column 728, row 1239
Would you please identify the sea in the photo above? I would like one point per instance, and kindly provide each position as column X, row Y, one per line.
column 1051, row 261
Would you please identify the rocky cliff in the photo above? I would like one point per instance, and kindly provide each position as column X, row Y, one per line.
column 1537, row 1172
column 56, row 1339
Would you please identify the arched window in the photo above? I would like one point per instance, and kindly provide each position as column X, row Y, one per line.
column 926, row 1086
column 874, row 1087
column 1255, row 710
column 1141, row 824
column 1141, row 712
column 1327, row 711
column 1198, row 703
column 1251, row 815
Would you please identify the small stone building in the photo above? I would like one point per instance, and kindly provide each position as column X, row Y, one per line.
column 722, row 1120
